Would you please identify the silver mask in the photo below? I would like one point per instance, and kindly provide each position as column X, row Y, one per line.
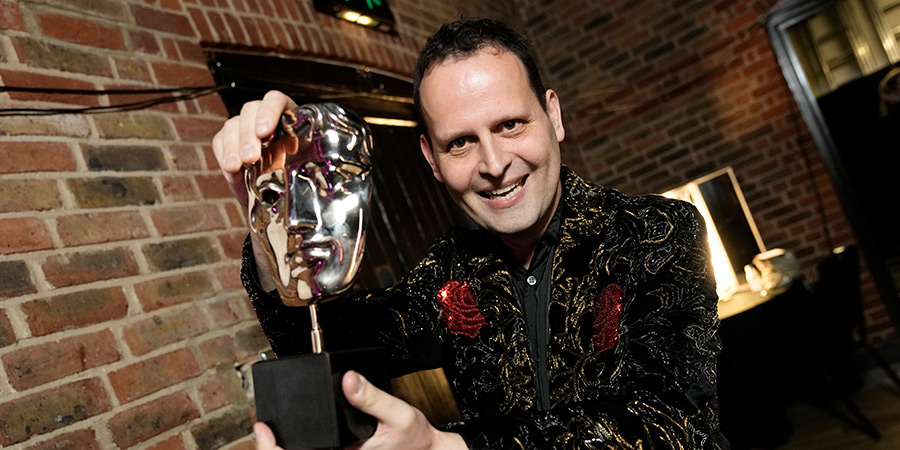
column 309, row 199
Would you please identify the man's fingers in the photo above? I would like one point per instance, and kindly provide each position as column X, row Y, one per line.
column 247, row 139
column 273, row 104
column 265, row 440
column 369, row 399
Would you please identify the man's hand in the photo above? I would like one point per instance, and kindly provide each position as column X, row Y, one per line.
column 239, row 141
column 400, row 426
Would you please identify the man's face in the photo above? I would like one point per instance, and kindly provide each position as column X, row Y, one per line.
column 309, row 208
column 491, row 143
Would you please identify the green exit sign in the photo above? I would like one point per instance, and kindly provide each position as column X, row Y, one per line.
column 377, row 10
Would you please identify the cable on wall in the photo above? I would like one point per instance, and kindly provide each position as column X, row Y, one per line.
column 173, row 95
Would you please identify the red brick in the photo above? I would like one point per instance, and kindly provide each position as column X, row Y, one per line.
column 87, row 266
column 234, row 25
column 231, row 426
column 230, row 276
column 212, row 104
column 173, row 290
column 162, row 21
column 81, row 31
column 181, row 75
column 107, row 192
column 23, row 235
column 187, row 219
column 192, row 129
column 48, row 55
column 150, row 419
column 81, row 440
column 232, row 243
column 28, row 195
column 250, row 342
column 148, row 376
column 229, row 311
column 220, row 350
column 173, row 5
column 226, row 388
column 172, row 443
column 191, row 51
column 179, row 189
column 7, row 334
column 20, row 157
column 70, row 125
column 32, row 366
column 237, row 216
column 171, row 255
column 10, row 17
column 74, row 310
column 218, row 26
column 206, row 34
column 164, row 329
column 170, row 49
column 49, row 410
column 185, row 157
column 144, row 42
column 135, row 125
column 213, row 186
column 93, row 228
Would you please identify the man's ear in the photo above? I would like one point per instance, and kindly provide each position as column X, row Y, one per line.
column 429, row 156
column 555, row 114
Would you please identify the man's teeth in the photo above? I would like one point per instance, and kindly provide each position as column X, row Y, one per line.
column 505, row 192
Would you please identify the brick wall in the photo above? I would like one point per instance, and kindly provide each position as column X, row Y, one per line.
column 122, row 322
column 655, row 94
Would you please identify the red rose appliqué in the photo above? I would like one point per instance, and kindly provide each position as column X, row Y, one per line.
column 459, row 310
column 607, row 313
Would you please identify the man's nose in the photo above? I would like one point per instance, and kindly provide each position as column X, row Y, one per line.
column 494, row 158
column 303, row 208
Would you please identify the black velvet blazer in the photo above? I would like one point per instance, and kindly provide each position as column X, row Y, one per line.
column 632, row 341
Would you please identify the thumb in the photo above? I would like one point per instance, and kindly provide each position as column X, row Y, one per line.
column 364, row 396
column 265, row 439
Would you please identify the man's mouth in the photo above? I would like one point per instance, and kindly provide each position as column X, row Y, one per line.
column 504, row 192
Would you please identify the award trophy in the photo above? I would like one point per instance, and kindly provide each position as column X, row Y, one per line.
column 308, row 204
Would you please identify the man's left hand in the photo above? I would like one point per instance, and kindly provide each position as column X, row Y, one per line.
column 400, row 425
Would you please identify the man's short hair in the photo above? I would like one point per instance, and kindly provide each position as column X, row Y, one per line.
column 467, row 36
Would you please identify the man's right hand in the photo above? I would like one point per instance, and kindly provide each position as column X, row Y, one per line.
column 239, row 142
column 240, row 139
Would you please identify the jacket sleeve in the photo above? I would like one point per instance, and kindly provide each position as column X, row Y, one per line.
column 381, row 317
column 662, row 392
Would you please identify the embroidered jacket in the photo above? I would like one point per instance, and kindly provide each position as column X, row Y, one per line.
column 632, row 329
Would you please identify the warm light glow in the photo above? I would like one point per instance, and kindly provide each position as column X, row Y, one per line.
column 365, row 20
column 726, row 282
column 351, row 16
column 391, row 122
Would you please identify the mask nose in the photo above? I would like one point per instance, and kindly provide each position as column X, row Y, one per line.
column 304, row 212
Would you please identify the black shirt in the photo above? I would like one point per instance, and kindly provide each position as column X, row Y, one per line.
column 533, row 289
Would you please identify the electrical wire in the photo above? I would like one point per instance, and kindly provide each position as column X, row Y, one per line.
column 178, row 94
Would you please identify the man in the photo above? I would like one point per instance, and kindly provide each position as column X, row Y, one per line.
column 575, row 317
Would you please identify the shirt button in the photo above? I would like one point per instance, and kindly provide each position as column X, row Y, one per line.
column 531, row 280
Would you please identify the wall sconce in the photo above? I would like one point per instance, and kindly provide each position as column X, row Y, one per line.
column 369, row 13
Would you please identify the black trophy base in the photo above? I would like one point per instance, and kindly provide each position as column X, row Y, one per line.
column 300, row 398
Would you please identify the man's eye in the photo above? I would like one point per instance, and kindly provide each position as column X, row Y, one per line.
column 457, row 143
column 510, row 124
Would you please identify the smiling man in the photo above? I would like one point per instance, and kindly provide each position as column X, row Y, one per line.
column 573, row 317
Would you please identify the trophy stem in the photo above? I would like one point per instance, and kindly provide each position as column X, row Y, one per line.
column 316, row 333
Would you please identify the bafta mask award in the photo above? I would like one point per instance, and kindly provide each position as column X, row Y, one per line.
column 309, row 198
